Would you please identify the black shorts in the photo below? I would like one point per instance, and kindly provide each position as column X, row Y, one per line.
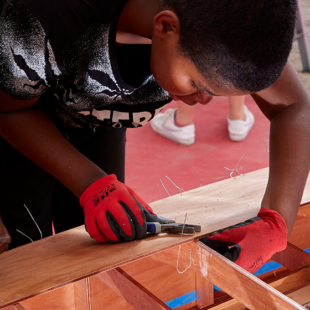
column 23, row 183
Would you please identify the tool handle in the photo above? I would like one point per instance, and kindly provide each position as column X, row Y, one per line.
column 153, row 228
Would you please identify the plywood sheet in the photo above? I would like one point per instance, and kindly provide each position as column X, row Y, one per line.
column 301, row 231
column 302, row 295
column 57, row 299
column 243, row 286
column 72, row 255
column 161, row 279
column 283, row 284
column 103, row 297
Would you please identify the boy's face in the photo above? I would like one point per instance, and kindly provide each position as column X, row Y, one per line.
column 180, row 78
column 177, row 74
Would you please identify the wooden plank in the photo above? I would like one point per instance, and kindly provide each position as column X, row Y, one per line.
column 150, row 273
column 72, row 255
column 204, row 291
column 19, row 307
column 284, row 284
column 134, row 293
column 82, row 295
column 228, row 304
column 288, row 282
column 300, row 233
column 61, row 298
column 271, row 275
column 301, row 295
column 304, row 210
column 103, row 297
column 47, row 263
column 238, row 283
column 281, row 284
column 292, row 257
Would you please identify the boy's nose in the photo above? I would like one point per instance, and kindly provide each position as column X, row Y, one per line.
column 202, row 98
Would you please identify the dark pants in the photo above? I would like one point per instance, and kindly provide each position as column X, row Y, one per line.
column 24, row 183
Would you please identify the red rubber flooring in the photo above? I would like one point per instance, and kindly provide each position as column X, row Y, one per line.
column 150, row 157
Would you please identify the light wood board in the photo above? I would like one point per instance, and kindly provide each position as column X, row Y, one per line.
column 33, row 269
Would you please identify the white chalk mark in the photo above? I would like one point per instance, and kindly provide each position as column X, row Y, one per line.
column 34, row 221
column 24, row 235
column 236, row 169
column 190, row 254
column 164, row 187
column 179, row 188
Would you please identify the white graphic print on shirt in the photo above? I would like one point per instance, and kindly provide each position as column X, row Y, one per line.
column 78, row 83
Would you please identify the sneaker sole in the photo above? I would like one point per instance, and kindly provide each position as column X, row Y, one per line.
column 237, row 138
column 185, row 142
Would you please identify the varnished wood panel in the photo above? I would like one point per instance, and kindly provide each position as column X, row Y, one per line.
column 301, row 295
column 56, row 299
column 292, row 257
column 102, row 297
column 70, row 256
column 132, row 291
column 301, row 231
column 204, row 291
column 82, row 295
column 283, row 284
column 246, row 288
column 151, row 274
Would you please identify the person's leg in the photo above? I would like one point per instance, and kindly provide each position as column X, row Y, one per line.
column 240, row 119
column 184, row 115
column 24, row 184
column 236, row 111
column 106, row 148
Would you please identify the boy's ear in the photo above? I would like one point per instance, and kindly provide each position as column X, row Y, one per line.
column 166, row 23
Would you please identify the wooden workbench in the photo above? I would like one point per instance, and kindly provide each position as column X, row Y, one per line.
column 72, row 271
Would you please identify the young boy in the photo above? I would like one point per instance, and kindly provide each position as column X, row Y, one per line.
column 69, row 90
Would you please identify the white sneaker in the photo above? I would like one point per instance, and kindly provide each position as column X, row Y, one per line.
column 163, row 124
column 238, row 129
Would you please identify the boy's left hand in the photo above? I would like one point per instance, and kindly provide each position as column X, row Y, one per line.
column 114, row 212
column 251, row 243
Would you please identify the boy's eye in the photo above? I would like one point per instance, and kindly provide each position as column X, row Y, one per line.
column 196, row 87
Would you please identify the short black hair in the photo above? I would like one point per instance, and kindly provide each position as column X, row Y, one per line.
column 243, row 43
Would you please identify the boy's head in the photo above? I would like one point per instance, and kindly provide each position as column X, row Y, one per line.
column 241, row 44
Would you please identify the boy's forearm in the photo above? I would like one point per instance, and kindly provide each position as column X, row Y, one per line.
column 287, row 105
column 289, row 162
column 34, row 135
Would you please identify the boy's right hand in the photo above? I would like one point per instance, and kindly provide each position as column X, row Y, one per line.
column 114, row 212
column 251, row 243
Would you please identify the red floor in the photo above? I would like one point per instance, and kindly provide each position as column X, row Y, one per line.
column 151, row 157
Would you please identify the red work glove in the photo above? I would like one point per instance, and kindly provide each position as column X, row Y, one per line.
column 114, row 212
column 251, row 243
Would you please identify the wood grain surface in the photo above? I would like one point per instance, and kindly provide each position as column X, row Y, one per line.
column 132, row 291
column 243, row 286
column 302, row 295
column 72, row 255
column 282, row 284
column 292, row 257
column 204, row 291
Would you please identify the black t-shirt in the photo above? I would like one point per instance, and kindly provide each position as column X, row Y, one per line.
column 65, row 52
